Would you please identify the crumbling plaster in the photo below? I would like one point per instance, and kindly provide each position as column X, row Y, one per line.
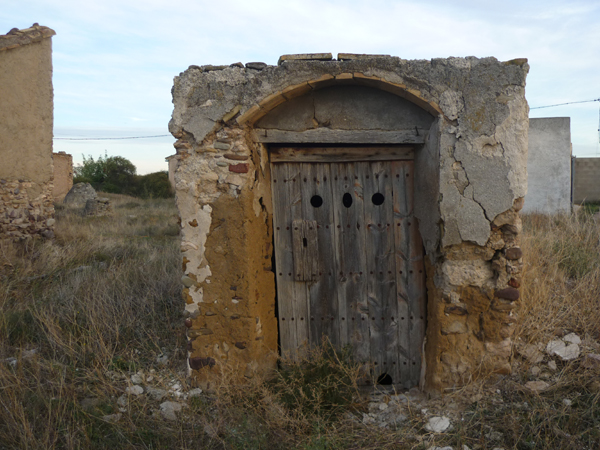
column 473, row 178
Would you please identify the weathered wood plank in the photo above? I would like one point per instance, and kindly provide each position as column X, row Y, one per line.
column 409, row 255
column 402, row 216
column 417, row 290
column 283, row 259
column 381, row 266
column 316, row 182
column 301, row 303
column 305, row 247
column 329, row 136
column 351, row 269
column 341, row 154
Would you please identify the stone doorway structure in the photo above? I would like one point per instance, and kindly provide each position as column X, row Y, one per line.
column 457, row 127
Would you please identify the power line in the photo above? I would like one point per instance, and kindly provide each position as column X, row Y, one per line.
column 569, row 103
column 110, row 138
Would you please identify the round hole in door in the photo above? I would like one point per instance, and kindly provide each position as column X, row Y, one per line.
column 378, row 199
column 347, row 200
column 316, row 201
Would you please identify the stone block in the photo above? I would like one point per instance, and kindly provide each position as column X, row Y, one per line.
column 305, row 57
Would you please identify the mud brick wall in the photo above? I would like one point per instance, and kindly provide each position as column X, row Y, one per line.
column 26, row 121
column 63, row 175
column 470, row 181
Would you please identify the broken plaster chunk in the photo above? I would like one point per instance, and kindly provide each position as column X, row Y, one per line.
column 565, row 352
column 531, row 353
column 168, row 410
column 135, row 390
column 572, row 338
column 437, row 424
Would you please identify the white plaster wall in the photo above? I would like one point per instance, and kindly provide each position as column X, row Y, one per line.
column 549, row 166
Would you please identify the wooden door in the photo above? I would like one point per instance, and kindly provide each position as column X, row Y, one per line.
column 348, row 256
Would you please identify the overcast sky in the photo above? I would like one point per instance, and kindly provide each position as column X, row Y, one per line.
column 114, row 61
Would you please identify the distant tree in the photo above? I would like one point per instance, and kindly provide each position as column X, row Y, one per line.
column 117, row 175
column 154, row 185
column 109, row 174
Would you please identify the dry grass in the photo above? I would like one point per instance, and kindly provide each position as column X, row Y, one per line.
column 80, row 315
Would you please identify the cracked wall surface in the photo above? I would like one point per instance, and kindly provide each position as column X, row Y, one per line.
column 470, row 180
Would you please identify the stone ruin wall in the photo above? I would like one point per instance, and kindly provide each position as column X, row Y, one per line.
column 63, row 175
column 476, row 152
column 26, row 121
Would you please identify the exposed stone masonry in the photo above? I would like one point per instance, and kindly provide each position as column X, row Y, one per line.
column 98, row 207
column 22, row 216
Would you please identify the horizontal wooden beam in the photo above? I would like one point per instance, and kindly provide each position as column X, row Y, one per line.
column 340, row 154
column 328, row 136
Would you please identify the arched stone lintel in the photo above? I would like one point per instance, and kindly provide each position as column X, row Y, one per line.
column 272, row 101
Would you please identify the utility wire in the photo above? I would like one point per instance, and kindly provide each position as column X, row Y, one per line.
column 569, row 103
column 110, row 138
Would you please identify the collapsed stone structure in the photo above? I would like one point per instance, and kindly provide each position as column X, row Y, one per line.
column 98, row 207
column 26, row 121
column 79, row 194
column 369, row 200
column 63, row 175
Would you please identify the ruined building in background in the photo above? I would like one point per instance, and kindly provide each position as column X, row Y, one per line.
column 369, row 201
column 549, row 171
column 26, row 120
column 63, row 175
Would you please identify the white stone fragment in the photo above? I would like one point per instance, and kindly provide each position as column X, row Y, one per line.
column 565, row 352
column 437, row 424
column 194, row 393
column 135, row 390
column 122, row 401
column 531, row 353
column 168, row 410
column 552, row 365
column 567, row 402
column 137, row 378
column 572, row 338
